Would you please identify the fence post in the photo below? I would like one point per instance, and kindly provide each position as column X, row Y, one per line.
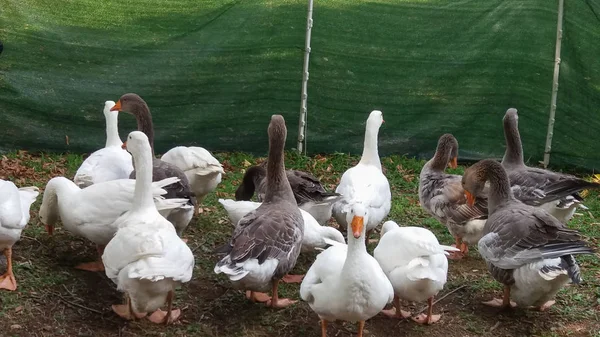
column 304, row 96
column 550, row 133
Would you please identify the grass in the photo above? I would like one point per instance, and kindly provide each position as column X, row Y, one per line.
column 55, row 299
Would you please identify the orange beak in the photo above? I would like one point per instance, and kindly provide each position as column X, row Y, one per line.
column 453, row 163
column 117, row 106
column 49, row 229
column 357, row 226
column 124, row 146
column 470, row 198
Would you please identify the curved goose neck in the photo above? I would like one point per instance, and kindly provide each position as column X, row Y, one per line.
column 441, row 158
column 278, row 186
column 250, row 181
column 513, row 156
column 499, row 184
column 144, row 121
column 112, row 129
column 56, row 187
column 142, row 196
column 370, row 155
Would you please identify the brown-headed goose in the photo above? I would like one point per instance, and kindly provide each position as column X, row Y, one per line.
column 558, row 193
column 310, row 195
column 525, row 248
column 442, row 196
column 267, row 241
column 180, row 218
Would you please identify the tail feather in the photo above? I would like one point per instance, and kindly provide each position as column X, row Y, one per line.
column 570, row 265
column 554, row 250
column 565, row 188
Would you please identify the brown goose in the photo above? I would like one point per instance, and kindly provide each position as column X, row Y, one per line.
column 442, row 196
column 266, row 242
column 525, row 248
column 557, row 193
column 310, row 195
column 180, row 218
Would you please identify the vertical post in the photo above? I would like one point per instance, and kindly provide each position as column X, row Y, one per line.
column 550, row 133
column 304, row 95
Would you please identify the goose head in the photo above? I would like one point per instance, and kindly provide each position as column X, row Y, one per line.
column 356, row 216
column 375, row 120
column 447, row 148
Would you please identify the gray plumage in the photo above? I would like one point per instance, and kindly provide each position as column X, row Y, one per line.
column 516, row 234
column 535, row 186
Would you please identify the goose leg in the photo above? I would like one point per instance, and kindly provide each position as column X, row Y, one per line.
column 126, row 310
column 428, row 318
column 96, row 265
column 166, row 317
column 460, row 245
column 8, row 281
column 292, row 278
column 323, row 328
column 396, row 312
column 504, row 303
column 361, row 327
column 275, row 301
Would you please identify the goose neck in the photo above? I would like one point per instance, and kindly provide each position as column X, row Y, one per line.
column 370, row 155
column 513, row 156
column 142, row 197
column 278, row 186
column 112, row 129
column 500, row 191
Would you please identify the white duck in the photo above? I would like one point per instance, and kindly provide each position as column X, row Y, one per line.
column 365, row 183
column 146, row 258
column 200, row 167
column 110, row 162
column 314, row 234
column 416, row 265
column 345, row 282
column 14, row 216
column 91, row 212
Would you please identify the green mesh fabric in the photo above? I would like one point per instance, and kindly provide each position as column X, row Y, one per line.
column 213, row 71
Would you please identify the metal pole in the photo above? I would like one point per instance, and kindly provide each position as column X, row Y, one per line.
column 550, row 133
column 304, row 96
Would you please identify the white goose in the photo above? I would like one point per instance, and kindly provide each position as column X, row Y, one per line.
column 345, row 282
column 200, row 167
column 146, row 258
column 14, row 216
column 314, row 237
column 416, row 265
column 91, row 212
column 110, row 162
column 365, row 183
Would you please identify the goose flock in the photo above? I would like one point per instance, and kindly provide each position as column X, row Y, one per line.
column 135, row 209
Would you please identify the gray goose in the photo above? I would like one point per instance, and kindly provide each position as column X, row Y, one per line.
column 308, row 191
column 525, row 248
column 266, row 242
column 442, row 196
column 180, row 218
column 557, row 193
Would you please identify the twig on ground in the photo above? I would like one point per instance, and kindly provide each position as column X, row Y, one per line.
column 440, row 298
column 67, row 302
column 32, row 239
